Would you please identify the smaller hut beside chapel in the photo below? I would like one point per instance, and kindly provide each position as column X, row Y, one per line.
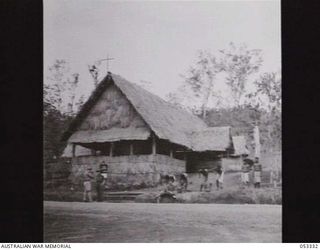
column 141, row 137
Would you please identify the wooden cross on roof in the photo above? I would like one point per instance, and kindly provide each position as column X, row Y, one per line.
column 106, row 59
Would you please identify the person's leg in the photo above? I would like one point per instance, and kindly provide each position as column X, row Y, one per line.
column 84, row 192
column 247, row 179
column 98, row 194
column 90, row 191
column 101, row 193
column 90, row 196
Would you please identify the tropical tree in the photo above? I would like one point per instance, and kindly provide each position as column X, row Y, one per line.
column 80, row 102
column 59, row 106
column 239, row 63
column 94, row 72
column 61, row 88
column 269, row 86
column 267, row 97
column 200, row 79
column 55, row 84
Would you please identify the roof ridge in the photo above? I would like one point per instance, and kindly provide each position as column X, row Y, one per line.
column 159, row 98
column 166, row 120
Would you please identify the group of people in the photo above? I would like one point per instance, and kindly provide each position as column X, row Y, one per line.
column 170, row 186
column 205, row 185
column 100, row 180
column 249, row 166
column 170, row 183
column 170, row 180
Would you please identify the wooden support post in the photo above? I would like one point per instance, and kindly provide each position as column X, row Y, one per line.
column 93, row 152
column 111, row 149
column 171, row 153
column 154, row 145
column 185, row 161
column 131, row 149
column 74, row 150
column 257, row 147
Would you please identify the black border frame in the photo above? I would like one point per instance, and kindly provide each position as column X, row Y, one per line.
column 21, row 208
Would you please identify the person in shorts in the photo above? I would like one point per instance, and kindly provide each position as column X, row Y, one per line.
column 205, row 175
column 87, row 185
column 245, row 172
column 219, row 181
column 100, row 185
column 183, row 182
column 257, row 168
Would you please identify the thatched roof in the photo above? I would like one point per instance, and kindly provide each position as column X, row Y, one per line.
column 212, row 139
column 240, row 146
column 80, row 151
column 164, row 119
column 113, row 134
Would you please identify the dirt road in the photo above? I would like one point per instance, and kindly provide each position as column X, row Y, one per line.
column 146, row 222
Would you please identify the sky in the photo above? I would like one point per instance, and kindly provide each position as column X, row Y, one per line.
column 155, row 42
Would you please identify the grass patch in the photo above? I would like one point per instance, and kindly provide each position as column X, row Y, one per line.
column 149, row 197
column 227, row 196
column 63, row 193
column 234, row 196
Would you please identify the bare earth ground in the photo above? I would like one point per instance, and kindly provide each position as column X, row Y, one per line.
column 147, row 222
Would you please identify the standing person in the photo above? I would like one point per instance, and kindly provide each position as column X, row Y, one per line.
column 88, row 177
column 184, row 182
column 100, row 182
column 257, row 168
column 219, row 181
column 204, row 184
column 245, row 172
column 244, row 175
column 103, row 167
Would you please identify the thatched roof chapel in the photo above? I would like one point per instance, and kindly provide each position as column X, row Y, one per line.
column 120, row 110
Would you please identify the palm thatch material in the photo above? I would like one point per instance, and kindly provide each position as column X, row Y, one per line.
column 80, row 151
column 166, row 120
column 212, row 139
column 240, row 146
column 110, row 135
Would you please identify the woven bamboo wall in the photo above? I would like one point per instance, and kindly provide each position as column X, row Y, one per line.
column 128, row 171
column 232, row 164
